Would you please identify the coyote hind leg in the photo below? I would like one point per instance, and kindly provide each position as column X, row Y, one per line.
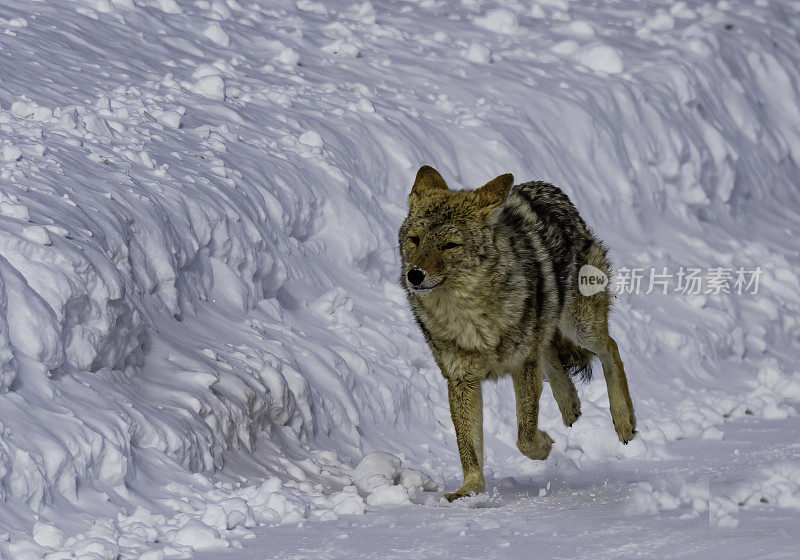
column 618, row 394
column 587, row 326
column 563, row 388
column 531, row 441
column 604, row 347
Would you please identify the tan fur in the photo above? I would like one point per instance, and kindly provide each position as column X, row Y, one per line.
column 495, row 293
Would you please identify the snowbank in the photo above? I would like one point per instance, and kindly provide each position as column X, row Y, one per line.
column 200, row 327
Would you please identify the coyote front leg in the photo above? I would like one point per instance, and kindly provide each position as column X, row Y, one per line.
column 531, row 441
column 466, row 410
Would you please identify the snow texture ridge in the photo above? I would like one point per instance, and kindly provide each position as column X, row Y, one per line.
column 201, row 329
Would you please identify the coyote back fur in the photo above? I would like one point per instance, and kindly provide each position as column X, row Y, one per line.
column 492, row 278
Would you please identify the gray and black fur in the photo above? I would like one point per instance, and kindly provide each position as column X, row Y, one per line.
column 541, row 216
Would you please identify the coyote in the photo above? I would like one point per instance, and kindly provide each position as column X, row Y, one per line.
column 492, row 279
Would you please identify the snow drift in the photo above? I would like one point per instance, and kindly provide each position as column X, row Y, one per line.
column 200, row 324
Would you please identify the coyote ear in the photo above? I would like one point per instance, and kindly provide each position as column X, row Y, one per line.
column 428, row 179
column 496, row 190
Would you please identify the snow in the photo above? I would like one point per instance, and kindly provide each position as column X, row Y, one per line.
column 168, row 6
column 48, row 535
column 197, row 534
column 478, row 53
column 376, row 469
column 602, row 58
column 212, row 87
column 380, row 478
column 204, row 350
column 311, row 138
column 37, row 234
column 216, row 34
column 17, row 211
column 289, row 57
column 388, row 494
column 342, row 48
column 499, row 21
column 580, row 29
column 660, row 22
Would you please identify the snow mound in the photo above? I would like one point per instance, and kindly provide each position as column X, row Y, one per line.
column 602, row 58
column 499, row 21
column 379, row 476
column 776, row 486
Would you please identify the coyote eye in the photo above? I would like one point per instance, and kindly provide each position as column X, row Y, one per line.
column 414, row 239
column 451, row 245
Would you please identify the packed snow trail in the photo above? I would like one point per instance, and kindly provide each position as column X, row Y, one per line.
column 676, row 508
column 201, row 330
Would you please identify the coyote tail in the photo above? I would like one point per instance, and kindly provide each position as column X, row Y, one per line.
column 576, row 360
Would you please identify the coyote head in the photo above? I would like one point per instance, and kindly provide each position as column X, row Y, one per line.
column 445, row 240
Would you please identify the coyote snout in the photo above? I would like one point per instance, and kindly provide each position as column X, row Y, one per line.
column 504, row 261
column 421, row 283
column 416, row 276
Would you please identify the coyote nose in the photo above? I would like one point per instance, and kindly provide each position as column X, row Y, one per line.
column 416, row 276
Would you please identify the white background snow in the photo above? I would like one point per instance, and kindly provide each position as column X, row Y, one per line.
column 201, row 329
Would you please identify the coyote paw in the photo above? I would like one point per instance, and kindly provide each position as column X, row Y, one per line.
column 625, row 426
column 539, row 448
column 571, row 413
column 475, row 487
